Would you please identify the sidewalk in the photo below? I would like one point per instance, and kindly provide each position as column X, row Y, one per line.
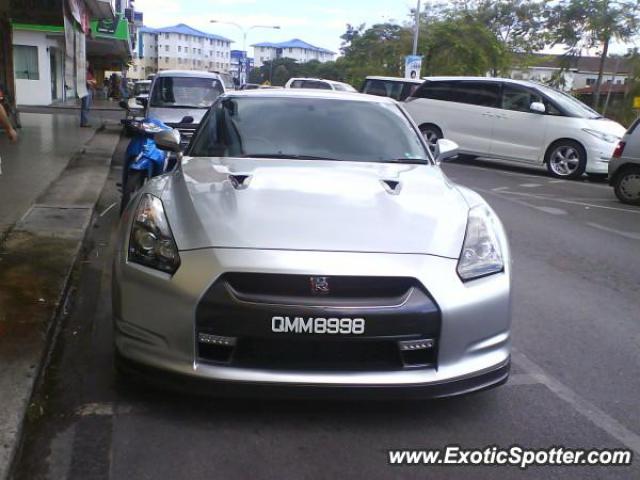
column 43, row 150
column 74, row 104
column 37, row 257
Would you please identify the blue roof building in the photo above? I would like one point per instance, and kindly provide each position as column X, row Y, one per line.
column 296, row 49
column 180, row 47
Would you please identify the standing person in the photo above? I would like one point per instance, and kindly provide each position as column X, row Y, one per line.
column 87, row 99
column 8, row 128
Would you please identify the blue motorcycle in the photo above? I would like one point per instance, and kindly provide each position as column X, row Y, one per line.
column 143, row 159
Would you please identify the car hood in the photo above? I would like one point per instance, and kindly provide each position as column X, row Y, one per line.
column 607, row 126
column 175, row 115
column 315, row 205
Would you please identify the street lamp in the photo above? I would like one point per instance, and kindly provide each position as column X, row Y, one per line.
column 245, row 31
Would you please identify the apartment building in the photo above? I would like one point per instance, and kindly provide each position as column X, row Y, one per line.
column 179, row 47
column 296, row 49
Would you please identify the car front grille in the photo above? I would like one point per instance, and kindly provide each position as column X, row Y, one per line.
column 235, row 318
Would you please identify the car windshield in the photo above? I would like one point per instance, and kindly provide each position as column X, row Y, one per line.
column 572, row 106
column 308, row 128
column 185, row 92
column 142, row 88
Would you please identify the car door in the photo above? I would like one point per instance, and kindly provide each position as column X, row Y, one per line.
column 472, row 112
column 519, row 133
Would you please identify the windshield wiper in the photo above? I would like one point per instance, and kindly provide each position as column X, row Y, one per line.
column 286, row 156
column 410, row 161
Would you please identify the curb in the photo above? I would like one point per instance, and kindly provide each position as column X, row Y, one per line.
column 37, row 259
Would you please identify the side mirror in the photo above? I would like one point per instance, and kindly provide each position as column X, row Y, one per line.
column 123, row 104
column 538, row 107
column 142, row 101
column 445, row 149
column 168, row 140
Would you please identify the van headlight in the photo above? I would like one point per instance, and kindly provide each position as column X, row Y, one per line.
column 605, row 137
column 481, row 253
column 151, row 242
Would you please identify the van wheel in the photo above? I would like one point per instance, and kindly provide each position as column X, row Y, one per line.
column 627, row 186
column 431, row 135
column 566, row 159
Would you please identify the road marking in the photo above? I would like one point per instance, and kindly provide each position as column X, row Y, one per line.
column 632, row 236
column 107, row 209
column 562, row 200
column 499, row 189
column 517, row 379
column 530, row 185
column 594, row 414
column 551, row 210
column 102, row 409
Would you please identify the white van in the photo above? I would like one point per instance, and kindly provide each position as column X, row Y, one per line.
column 319, row 84
column 515, row 120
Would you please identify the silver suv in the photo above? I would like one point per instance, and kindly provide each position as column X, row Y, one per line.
column 624, row 167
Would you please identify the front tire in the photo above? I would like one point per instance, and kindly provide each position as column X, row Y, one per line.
column 566, row 159
column 135, row 180
column 431, row 135
column 627, row 186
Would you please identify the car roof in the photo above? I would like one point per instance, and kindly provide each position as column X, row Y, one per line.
column 187, row 73
column 310, row 93
column 485, row 79
column 143, row 81
column 317, row 80
column 395, row 79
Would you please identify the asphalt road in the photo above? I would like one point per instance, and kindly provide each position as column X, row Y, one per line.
column 576, row 330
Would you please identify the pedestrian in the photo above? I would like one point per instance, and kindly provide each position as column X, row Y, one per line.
column 87, row 99
column 5, row 123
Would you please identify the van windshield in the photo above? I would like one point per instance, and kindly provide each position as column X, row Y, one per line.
column 185, row 92
column 570, row 105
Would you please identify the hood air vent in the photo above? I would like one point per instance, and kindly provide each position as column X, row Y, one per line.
column 240, row 182
column 392, row 186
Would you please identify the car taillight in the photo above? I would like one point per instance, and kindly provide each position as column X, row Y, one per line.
column 617, row 153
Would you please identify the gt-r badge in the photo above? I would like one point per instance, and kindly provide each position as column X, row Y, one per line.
column 319, row 285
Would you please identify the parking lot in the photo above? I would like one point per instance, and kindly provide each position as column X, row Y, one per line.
column 576, row 334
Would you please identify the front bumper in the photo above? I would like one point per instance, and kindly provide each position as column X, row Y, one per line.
column 155, row 321
column 599, row 154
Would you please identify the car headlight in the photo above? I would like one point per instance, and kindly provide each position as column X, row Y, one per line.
column 481, row 252
column 151, row 242
column 601, row 135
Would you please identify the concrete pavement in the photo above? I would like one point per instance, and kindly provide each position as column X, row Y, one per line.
column 574, row 382
column 46, row 143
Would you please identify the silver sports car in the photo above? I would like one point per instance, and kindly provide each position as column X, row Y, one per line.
column 309, row 243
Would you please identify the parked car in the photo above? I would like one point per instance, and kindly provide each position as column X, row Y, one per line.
column 624, row 167
column 319, row 83
column 309, row 243
column 395, row 87
column 180, row 98
column 520, row 121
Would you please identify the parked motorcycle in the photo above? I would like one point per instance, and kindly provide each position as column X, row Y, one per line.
column 143, row 158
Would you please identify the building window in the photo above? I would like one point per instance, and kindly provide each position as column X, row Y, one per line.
column 291, row 50
column 179, row 48
column 166, row 48
column 166, row 59
column 25, row 62
column 591, row 81
column 199, row 51
column 166, row 35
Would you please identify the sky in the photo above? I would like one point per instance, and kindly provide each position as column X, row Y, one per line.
column 319, row 22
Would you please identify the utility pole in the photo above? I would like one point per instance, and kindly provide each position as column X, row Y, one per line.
column 417, row 30
column 245, row 30
column 613, row 81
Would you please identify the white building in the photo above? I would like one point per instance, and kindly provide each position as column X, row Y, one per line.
column 179, row 47
column 577, row 72
column 296, row 49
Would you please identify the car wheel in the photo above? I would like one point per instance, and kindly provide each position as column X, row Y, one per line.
column 431, row 135
column 627, row 186
column 135, row 180
column 566, row 159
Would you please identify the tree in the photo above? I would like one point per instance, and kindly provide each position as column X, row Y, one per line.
column 585, row 24
column 462, row 46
